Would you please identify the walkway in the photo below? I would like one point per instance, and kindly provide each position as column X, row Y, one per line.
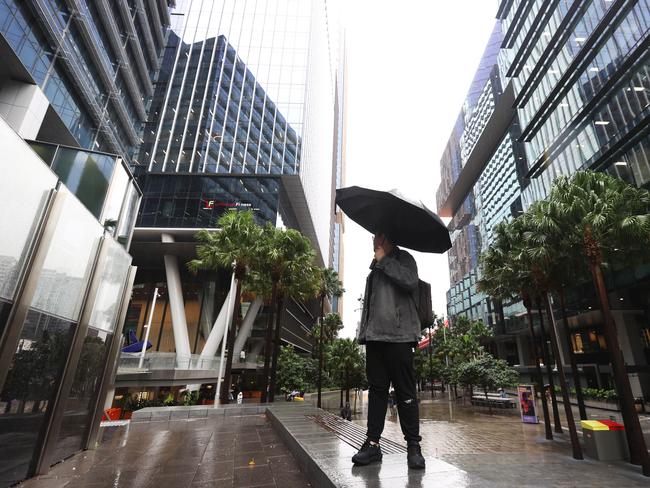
column 498, row 450
column 219, row 452
column 464, row 447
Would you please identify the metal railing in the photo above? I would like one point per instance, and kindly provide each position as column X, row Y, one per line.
column 130, row 362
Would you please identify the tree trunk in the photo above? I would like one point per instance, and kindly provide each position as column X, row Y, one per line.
column 568, row 411
column 319, row 383
column 635, row 440
column 549, row 370
column 276, row 345
column 267, row 346
column 430, row 348
column 230, row 345
column 538, row 368
column 347, row 386
column 572, row 358
column 341, row 400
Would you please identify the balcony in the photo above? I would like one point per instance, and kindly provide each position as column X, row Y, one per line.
column 169, row 369
column 156, row 361
column 101, row 181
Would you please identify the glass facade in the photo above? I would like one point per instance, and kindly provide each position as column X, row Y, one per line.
column 243, row 132
column 244, row 89
column 577, row 74
column 197, row 201
column 94, row 64
column 480, row 210
column 583, row 99
column 48, row 271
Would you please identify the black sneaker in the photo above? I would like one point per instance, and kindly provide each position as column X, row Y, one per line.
column 414, row 456
column 367, row 454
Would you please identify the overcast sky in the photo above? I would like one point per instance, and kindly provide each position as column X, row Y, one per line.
column 410, row 64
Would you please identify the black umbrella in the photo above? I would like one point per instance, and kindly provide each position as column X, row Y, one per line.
column 408, row 224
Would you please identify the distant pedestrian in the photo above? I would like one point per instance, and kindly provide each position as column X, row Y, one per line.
column 240, row 398
column 346, row 412
column 392, row 403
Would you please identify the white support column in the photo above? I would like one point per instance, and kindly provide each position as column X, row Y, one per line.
column 214, row 339
column 176, row 303
column 230, row 307
column 246, row 327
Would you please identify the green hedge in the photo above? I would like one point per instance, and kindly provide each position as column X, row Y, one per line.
column 594, row 394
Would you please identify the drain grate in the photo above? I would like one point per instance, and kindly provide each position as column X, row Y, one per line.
column 351, row 433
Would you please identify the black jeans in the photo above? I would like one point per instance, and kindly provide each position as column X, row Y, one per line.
column 387, row 363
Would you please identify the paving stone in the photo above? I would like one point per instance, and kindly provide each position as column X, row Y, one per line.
column 181, row 453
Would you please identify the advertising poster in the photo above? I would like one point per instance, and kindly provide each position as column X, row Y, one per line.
column 526, row 394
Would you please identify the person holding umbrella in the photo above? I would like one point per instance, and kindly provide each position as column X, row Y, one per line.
column 390, row 325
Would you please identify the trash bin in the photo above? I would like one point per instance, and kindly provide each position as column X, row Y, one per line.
column 604, row 440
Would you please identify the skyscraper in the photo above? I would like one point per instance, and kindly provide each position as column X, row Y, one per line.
column 243, row 117
column 75, row 82
column 575, row 95
column 469, row 227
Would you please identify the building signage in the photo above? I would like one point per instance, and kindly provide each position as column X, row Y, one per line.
column 210, row 204
column 526, row 394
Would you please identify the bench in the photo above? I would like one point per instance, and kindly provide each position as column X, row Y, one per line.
column 351, row 433
column 492, row 401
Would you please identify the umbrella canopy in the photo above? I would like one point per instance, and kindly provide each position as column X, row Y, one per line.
column 408, row 224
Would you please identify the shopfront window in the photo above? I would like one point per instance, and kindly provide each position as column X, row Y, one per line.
column 45, row 338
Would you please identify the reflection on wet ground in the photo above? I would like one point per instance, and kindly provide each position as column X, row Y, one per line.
column 499, row 450
column 464, row 447
column 216, row 452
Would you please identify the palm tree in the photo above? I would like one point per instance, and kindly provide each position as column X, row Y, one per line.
column 333, row 324
column 234, row 246
column 347, row 361
column 506, row 277
column 540, row 234
column 329, row 286
column 610, row 220
column 286, row 269
column 554, row 251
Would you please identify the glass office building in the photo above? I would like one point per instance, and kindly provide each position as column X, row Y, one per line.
column 76, row 78
column 469, row 228
column 249, row 89
column 95, row 62
column 247, row 114
column 65, row 278
column 575, row 96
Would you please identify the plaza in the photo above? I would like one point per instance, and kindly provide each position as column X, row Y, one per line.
column 464, row 447
column 188, row 190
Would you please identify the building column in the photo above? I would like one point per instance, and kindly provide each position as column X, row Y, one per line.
column 502, row 353
column 246, row 327
column 632, row 349
column 523, row 349
column 217, row 333
column 176, row 303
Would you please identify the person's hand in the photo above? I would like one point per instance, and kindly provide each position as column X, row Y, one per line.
column 380, row 252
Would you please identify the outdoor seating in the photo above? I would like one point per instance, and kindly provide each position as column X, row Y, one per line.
column 493, row 401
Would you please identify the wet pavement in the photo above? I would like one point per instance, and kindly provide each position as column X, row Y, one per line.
column 241, row 451
column 463, row 446
column 497, row 450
